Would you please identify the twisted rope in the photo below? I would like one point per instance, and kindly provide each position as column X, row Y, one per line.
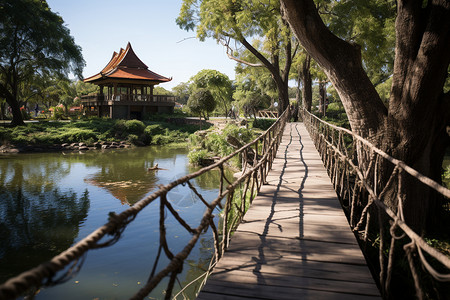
column 118, row 222
column 417, row 245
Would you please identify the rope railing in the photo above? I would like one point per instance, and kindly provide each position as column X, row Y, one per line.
column 364, row 198
column 257, row 157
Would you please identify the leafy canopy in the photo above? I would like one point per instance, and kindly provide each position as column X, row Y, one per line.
column 34, row 39
column 217, row 83
column 371, row 25
column 201, row 102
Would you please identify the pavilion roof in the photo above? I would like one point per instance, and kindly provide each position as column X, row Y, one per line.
column 126, row 65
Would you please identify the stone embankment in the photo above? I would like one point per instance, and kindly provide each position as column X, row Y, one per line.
column 64, row 147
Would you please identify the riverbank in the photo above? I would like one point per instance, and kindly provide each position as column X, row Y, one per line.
column 94, row 133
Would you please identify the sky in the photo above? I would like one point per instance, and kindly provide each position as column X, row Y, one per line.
column 101, row 27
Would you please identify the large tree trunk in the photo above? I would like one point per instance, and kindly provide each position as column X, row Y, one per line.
column 307, row 83
column 11, row 99
column 413, row 130
column 323, row 97
column 3, row 110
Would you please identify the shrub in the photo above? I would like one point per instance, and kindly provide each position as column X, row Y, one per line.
column 134, row 126
column 119, row 128
column 75, row 135
column 4, row 134
column 241, row 133
column 160, row 139
column 154, row 129
column 217, row 144
column 197, row 156
column 132, row 138
column 263, row 124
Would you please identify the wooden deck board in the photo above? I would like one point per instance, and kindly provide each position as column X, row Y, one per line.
column 295, row 241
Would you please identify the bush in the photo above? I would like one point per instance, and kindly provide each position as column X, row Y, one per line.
column 75, row 135
column 241, row 133
column 154, row 129
column 160, row 139
column 263, row 124
column 198, row 156
column 134, row 139
column 217, row 144
column 134, row 126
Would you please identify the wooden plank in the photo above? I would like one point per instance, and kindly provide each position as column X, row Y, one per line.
column 295, row 241
column 241, row 277
column 224, row 290
column 296, row 267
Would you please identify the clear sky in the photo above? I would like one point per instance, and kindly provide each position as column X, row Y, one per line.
column 101, row 27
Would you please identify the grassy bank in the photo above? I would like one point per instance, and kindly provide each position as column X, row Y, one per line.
column 210, row 143
column 94, row 130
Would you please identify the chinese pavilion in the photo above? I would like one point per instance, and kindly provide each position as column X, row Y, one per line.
column 126, row 89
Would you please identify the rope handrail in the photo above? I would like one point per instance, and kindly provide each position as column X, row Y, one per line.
column 341, row 167
column 254, row 176
column 426, row 180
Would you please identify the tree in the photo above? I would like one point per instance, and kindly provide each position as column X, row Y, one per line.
column 230, row 20
column 217, row 83
column 33, row 40
column 413, row 127
column 67, row 93
column 253, row 79
column 255, row 89
column 182, row 92
column 370, row 24
column 159, row 90
column 250, row 101
column 201, row 102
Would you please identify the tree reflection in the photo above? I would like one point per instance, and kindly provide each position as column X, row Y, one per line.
column 36, row 227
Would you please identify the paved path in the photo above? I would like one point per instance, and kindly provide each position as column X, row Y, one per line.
column 295, row 242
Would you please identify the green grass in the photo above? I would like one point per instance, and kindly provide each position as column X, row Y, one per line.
column 96, row 129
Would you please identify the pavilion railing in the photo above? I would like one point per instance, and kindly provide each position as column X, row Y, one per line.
column 256, row 158
column 401, row 251
column 129, row 98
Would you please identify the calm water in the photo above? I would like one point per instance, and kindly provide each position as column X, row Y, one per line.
column 50, row 201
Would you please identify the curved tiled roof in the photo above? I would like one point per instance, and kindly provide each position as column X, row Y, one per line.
column 126, row 65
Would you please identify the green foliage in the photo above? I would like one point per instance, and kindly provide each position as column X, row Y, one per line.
column 159, row 90
column 197, row 156
column 95, row 129
column 154, row 129
column 254, row 24
column 132, row 138
column 134, row 126
column 446, row 177
column 217, row 83
column 201, row 102
column 58, row 113
column 33, row 43
column 215, row 143
column 263, row 124
column 335, row 109
column 384, row 90
column 369, row 24
column 182, row 91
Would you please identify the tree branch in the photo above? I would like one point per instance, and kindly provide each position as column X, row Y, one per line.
column 226, row 45
column 341, row 61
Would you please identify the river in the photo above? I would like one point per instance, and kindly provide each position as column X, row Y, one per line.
column 49, row 201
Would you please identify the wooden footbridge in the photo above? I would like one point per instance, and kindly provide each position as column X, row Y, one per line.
column 295, row 241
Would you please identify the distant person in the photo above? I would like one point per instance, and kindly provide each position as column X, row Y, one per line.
column 36, row 110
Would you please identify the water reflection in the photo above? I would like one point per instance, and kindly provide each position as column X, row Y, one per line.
column 49, row 201
column 37, row 219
